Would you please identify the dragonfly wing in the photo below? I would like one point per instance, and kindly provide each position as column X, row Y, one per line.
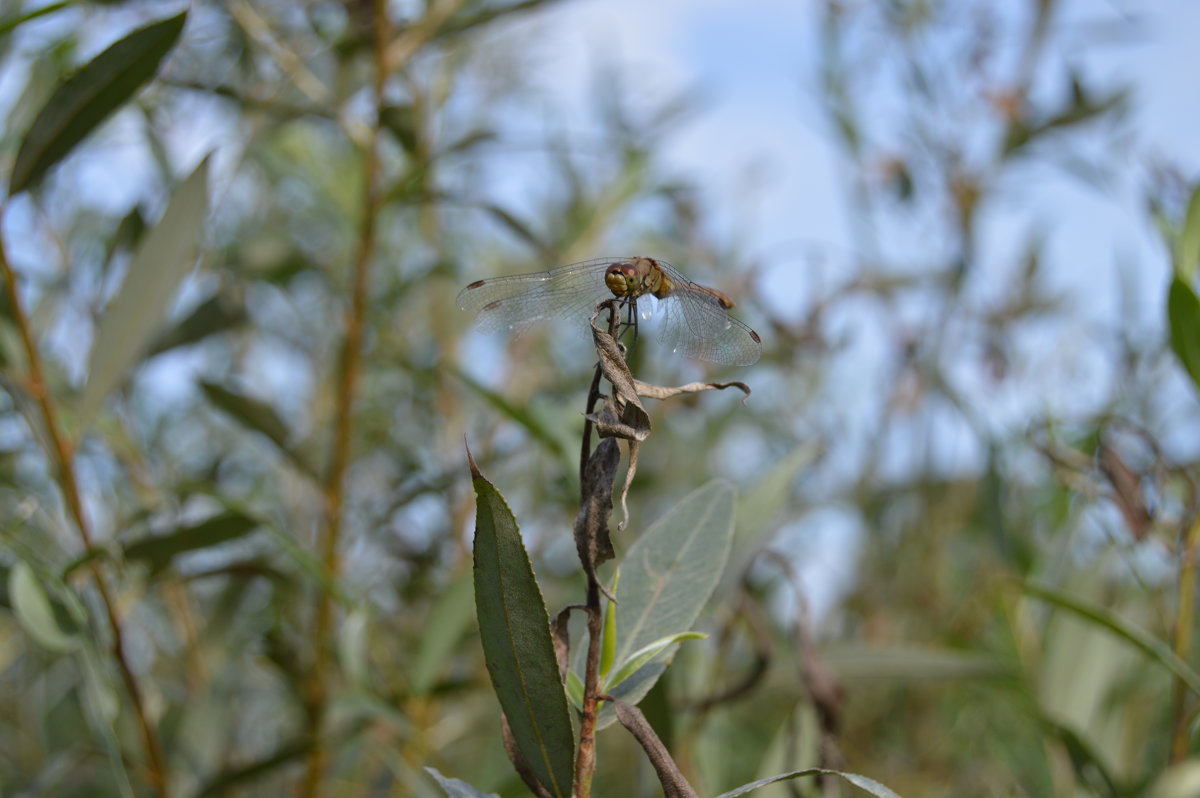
column 697, row 325
column 518, row 302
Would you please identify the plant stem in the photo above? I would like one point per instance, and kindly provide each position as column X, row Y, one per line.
column 318, row 687
column 585, row 762
column 63, row 456
column 1183, row 638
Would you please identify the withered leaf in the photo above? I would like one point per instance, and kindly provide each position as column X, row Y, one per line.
column 631, row 422
column 663, row 392
column 591, row 524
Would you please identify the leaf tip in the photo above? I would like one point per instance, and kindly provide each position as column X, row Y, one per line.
column 475, row 472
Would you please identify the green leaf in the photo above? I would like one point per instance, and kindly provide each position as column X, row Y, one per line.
column 667, row 576
column 1178, row 781
column 574, row 687
column 86, row 99
column 761, row 505
column 457, row 788
column 533, row 424
column 353, row 641
column 250, row 413
column 671, row 570
column 1189, row 240
column 448, row 621
column 911, row 663
column 862, row 782
column 11, row 23
column 608, row 648
column 209, row 318
column 1087, row 763
column 517, row 645
column 164, row 257
column 402, row 121
column 50, row 625
column 1183, row 316
column 1145, row 642
column 158, row 551
column 226, row 781
column 645, row 654
column 257, row 416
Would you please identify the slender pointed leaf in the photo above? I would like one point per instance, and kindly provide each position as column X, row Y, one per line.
column 759, row 508
column 209, row 318
column 353, row 645
column 645, row 654
column 11, row 23
column 1141, row 639
column 164, row 257
column 1189, row 240
column 448, row 621
column 574, row 687
column 158, row 551
column 533, row 424
column 86, row 99
column 862, row 782
column 517, row 645
column 911, row 663
column 250, row 413
column 1086, row 761
column 239, row 775
column 762, row 503
column 608, row 649
column 1183, row 316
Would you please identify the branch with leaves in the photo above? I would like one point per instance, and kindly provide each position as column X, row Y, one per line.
column 633, row 628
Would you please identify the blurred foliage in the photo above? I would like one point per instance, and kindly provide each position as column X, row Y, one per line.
column 1023, row 533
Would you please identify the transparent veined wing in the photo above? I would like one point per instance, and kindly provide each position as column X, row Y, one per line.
column 697, row 325
column 693, row 319
column 519, row 301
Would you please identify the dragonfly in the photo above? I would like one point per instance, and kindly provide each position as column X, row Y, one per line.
column 694, row 319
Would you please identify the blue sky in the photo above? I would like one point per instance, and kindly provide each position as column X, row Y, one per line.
column 761, row 133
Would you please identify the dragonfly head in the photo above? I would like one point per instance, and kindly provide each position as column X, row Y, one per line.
column 622, row 279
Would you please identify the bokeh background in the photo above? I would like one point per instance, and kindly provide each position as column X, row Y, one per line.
column 967, row 533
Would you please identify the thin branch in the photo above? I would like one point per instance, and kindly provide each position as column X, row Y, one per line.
column 63, row 456
column 317, row 697
column 585, row 762
column 1181, row 734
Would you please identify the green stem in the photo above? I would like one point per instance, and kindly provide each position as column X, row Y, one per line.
column 318, row 687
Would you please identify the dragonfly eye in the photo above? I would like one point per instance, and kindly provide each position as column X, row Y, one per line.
column 621, row 279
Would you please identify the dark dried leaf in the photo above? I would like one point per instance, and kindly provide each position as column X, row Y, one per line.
column 591, row 524
column 613, row 365
column 561, row 634
column 632, row 423
column 663, row 392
